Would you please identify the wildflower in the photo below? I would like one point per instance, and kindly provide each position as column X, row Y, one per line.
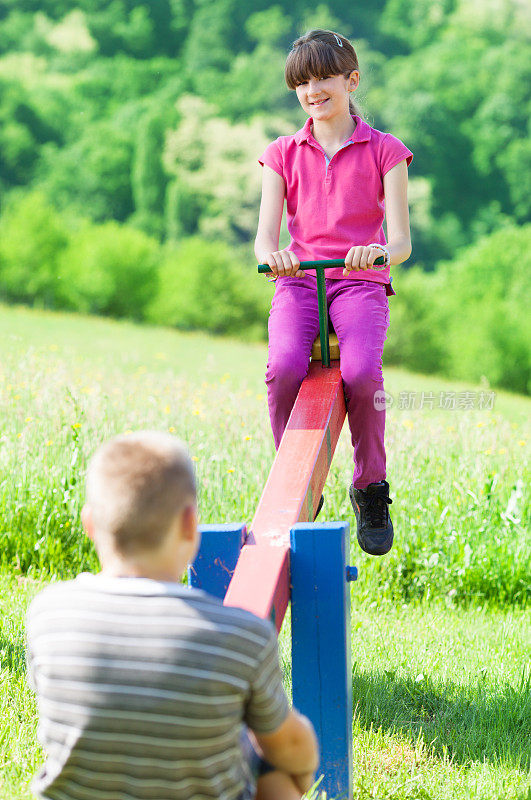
column 29, row 419
column 522, row 442
column 171, row 429
column 248, row 438
column 230, row 469
column 195, row 458
column 166, row 409
column 407, row 423
column 49, row 442
column 76, row 425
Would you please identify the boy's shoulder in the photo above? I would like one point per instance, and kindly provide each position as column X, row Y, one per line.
column 92, row 592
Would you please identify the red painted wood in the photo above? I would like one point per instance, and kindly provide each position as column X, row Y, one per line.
column 261, row 580
column 303, row 459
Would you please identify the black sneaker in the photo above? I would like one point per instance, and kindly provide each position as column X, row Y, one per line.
column 319, row 507
column 375, row 529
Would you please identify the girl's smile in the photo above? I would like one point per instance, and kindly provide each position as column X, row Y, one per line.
column 330, row 93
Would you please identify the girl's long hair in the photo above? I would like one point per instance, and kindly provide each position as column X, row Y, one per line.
column 321, row 53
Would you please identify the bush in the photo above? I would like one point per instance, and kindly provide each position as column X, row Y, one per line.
column 414, row 337
column 468, row 320
column 489, row 331
column 32, row 239
column 109, row 269
column 201, row 287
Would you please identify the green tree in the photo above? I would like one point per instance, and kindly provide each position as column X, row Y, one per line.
column 22, row 130
column 92, row 176
column 148, row 177
column 216, row 161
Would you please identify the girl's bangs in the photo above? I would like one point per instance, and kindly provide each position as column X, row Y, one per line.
column 314, row 58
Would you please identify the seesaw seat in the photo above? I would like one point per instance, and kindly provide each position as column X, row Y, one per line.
column 334, row 348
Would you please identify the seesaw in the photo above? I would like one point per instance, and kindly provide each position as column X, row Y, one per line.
column 283, row 555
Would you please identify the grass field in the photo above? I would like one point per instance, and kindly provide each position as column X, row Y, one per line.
column 441, row 640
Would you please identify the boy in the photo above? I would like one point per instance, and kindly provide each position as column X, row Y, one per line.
column 143, row 684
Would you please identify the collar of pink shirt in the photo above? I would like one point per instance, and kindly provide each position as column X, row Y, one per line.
column 361, row 133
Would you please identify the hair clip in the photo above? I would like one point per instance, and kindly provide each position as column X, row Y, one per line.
column 338, row 40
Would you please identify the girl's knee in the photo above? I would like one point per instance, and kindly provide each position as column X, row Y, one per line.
column 286, row 370
column 362, row 378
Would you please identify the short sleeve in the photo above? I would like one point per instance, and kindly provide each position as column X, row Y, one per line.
column 393, row 151
column 272, row 157
column 267, row 705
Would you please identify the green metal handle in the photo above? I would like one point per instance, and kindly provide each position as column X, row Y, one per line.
column 319, row 267
column 334, row 263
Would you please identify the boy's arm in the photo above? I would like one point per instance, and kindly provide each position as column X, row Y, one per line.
column 286, row 738
column 292, row 748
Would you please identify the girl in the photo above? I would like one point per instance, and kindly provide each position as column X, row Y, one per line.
column 339, row 177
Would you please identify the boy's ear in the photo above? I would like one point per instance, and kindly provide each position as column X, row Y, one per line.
column 189, row 522
column 86, row 521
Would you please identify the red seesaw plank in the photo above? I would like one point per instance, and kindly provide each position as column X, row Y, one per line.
column 261, row 580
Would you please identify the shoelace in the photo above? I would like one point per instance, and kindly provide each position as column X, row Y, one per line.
column 377, row 509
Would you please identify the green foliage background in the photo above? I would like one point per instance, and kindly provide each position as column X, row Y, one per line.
column 129, row 133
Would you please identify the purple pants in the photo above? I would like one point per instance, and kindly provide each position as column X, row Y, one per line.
column 359, row 312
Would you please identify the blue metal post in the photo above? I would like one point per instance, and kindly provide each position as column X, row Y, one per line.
column 216, row 560
column 321, row 651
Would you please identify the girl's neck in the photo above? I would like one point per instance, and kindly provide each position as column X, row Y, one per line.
column 333, row 131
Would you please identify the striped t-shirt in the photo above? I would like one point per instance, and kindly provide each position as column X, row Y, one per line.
column 143, row 688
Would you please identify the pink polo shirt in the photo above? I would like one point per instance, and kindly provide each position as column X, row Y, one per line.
column 333, row 205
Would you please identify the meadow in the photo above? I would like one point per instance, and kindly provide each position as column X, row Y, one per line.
column 441, row 635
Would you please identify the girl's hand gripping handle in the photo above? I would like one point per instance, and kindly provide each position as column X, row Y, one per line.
column 265, row 269
column 284, row 263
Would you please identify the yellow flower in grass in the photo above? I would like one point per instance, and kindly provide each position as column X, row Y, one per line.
column 195, row 458
column 28, row 419
column 76, row 425
column 522, row 443
column 230, row 469
column 171, row 429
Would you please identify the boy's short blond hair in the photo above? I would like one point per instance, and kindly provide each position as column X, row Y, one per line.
column 136, row 486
